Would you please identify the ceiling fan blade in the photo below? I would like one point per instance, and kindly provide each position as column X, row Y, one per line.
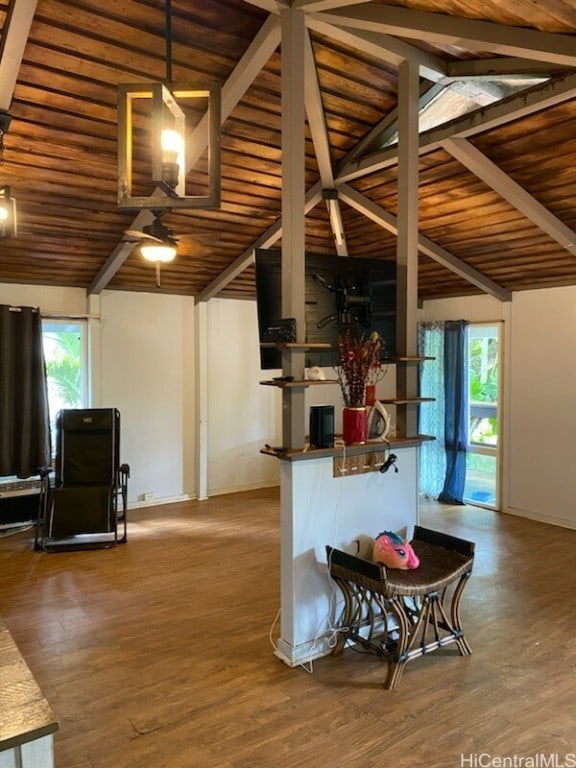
column 136, row 235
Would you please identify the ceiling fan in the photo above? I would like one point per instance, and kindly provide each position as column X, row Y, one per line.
column 159, row 244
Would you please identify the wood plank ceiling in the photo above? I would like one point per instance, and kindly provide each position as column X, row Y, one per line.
column 497, row 186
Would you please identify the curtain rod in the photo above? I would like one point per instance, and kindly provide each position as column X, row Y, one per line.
column 57, row 315
column 64, row 316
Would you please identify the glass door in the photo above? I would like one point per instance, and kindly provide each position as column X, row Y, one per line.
column 484, row 415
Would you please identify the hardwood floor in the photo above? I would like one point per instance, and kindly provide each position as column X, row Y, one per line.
column 157, row 653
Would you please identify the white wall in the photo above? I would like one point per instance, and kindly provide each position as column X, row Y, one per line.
column 145, row 368
column 143, row 357
column 242, row 415
column 542, row 410
column 145, row 341
column 539, row 417
column 49, row 298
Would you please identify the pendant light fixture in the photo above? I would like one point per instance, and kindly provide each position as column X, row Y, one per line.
column 8, row 220
column 165, row 121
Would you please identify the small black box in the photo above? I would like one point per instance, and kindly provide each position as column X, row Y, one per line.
column 322, row 426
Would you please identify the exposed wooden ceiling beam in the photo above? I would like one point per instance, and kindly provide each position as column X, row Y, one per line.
column 323, row 5
column 257, row 54
column 14, row 37
column 485, row 119
column 384, row 47
column 272, row 6
column 255, row 58
column 319, row 133
column 266, row 239
column 387, row 126
column 442, row 29
column 389, row 222
column 503, row 66
column 119, row 255
column 482, row 167
column 316, row 119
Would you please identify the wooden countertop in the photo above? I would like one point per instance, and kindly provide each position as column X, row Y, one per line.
column 350, row 450
column 25, row 715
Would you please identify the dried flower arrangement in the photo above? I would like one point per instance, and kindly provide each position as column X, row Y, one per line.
column 358, row 364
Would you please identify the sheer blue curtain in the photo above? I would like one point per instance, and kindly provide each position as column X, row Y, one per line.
column 443, row 461
column 431, row 417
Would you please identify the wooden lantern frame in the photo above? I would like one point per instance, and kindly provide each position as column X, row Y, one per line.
column 165, row 101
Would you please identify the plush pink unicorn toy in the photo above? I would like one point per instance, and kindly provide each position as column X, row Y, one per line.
column 393, row 552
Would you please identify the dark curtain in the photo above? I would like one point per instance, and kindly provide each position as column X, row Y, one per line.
column 456, row 411
column 24, row 418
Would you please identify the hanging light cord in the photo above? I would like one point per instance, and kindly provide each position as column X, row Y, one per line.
column 169, row 42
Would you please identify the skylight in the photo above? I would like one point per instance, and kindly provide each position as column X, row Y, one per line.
column 461, row 97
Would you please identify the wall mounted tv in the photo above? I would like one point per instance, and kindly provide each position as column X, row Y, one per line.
column 340, row 293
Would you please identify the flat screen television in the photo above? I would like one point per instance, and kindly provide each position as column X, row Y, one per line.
column 340, row 293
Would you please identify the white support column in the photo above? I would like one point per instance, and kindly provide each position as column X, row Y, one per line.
column 293, row 204
column 407, row 243
column 94, row 350
column 320, row 509
column 201, row 399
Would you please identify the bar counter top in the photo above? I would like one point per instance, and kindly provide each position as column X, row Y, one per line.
column 25, row 715
column 309, row 452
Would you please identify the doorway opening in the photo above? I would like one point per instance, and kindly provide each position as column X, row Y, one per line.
column 483, row 452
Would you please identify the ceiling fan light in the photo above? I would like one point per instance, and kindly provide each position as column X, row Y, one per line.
column 158, row 252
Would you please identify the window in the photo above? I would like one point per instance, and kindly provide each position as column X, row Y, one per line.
column 482, row 458
column 66, row 366
column 441, row 104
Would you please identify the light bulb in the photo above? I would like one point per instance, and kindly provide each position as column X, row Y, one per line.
column 172, row 157
column 3, row 213
column 172, row 144
column 158, row 252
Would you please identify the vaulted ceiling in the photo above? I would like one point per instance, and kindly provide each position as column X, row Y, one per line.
column 496, row 185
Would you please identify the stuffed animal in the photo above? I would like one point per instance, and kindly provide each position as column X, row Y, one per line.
column 394, row 552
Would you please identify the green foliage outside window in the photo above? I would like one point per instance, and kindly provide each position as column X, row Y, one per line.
column 483, row 387
column 64, row 366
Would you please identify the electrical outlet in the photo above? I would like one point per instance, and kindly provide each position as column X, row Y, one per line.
column 148, row 496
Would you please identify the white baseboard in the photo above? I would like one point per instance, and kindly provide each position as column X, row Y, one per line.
column 138, row 504
column 158, row 501
column 246, row 487
column 296, row 656
column 562, row 522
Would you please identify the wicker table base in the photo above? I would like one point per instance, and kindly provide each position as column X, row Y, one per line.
column 401, row 615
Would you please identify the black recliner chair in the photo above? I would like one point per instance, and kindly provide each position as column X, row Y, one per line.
column 83, row 502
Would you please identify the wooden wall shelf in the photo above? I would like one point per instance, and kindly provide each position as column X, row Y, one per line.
column 340, row 449
column 407, row 359
column 296, row 345
column 297, row 383
column 407, row 401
